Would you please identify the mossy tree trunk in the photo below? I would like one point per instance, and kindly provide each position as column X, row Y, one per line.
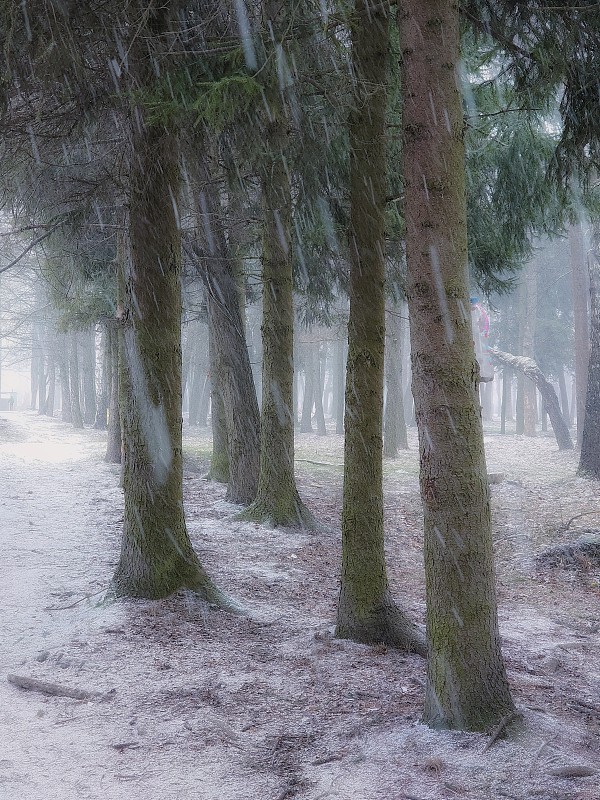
column 219, row 461
column 156, row 557
column 366, row 611
column 277, row 501
column 466, row 680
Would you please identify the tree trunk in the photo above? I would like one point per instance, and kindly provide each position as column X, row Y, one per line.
column 114, row 439
column 366, row 610
column 88, row 369
column 76, row 415
column 589, row 462
column 564, row 397
column 63, row 371
column 395, row 436
column 580, row 320
column 219, row 462
column 340, row 347
column 529, row 320
column 466, row 679
column 49, row 407
column 157, row 557
column 309, row 389
column 319, row 361
column 100, row 423
column 277, row 501
column 230, row 365
column 505, row 403
column 530, row 370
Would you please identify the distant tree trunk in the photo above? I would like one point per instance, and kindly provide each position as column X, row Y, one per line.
column 156, row 557
column 466, row 679
column 63, row 371
column 319, row 364
column 230, row 365
column 219, row 462
column 277, row 501
column 529, row 307
column 531, row 371
column 589, row 462
column 35, row 371
column 564, row 397
column 395, row 436
column 114, row 439
column 100, row 423
column 309, row 389
column 505, row 403
column 579, row 286
column 49, row 408
column 366, row 609
column 76, row 415
column 88, row 369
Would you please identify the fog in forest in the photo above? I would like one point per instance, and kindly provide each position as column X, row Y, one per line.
column 299, row 400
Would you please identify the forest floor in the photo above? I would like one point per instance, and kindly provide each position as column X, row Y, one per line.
column 196, row 704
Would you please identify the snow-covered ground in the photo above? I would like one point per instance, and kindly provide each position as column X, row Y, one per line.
column 202, row 705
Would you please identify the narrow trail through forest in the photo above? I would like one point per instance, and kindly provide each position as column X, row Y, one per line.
column 195, row 703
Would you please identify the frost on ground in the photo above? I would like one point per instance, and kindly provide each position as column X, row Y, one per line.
column 188, row 702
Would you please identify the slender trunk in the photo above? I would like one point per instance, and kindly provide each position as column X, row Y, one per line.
column 76, row 415
column 277, row 501
column 579, row 287
column 309, row 389
column 319, row 379
column 63, row 371
column 100, row 423
column 466, row 678
column 366, row 610
column 589, row 462
column 529, row 319
column 50, row 397
column 564, row 397
column 395, row 436
column 230, row 365
column 88, row 369
column 219, row 462
column 505, row 403
column 114, row 443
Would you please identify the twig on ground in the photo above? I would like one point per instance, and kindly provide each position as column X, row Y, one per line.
column 499, row 730
column 72, row 605
column 577, row 516
column 53, row 689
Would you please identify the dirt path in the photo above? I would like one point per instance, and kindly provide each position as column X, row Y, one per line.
column 269, row 707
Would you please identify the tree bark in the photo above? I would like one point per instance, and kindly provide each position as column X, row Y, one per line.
column 579, row 289
column 277, row 501
column 466, row 678
column 395, row 435
column 230, row 365
column 219, row 462
column 319, row 361
column 530, row 370
column 74, row 383
column 88, row 369
column 589, row 462
column 101, row 421
column 340, row 347
column 156, row 557
column 366, row 610
column 114, row 439
column 309, row 389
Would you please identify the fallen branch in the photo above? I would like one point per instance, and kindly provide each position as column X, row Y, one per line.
column 531, row 370
column 53, row 689
column 499, row 730
column 577, row 516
